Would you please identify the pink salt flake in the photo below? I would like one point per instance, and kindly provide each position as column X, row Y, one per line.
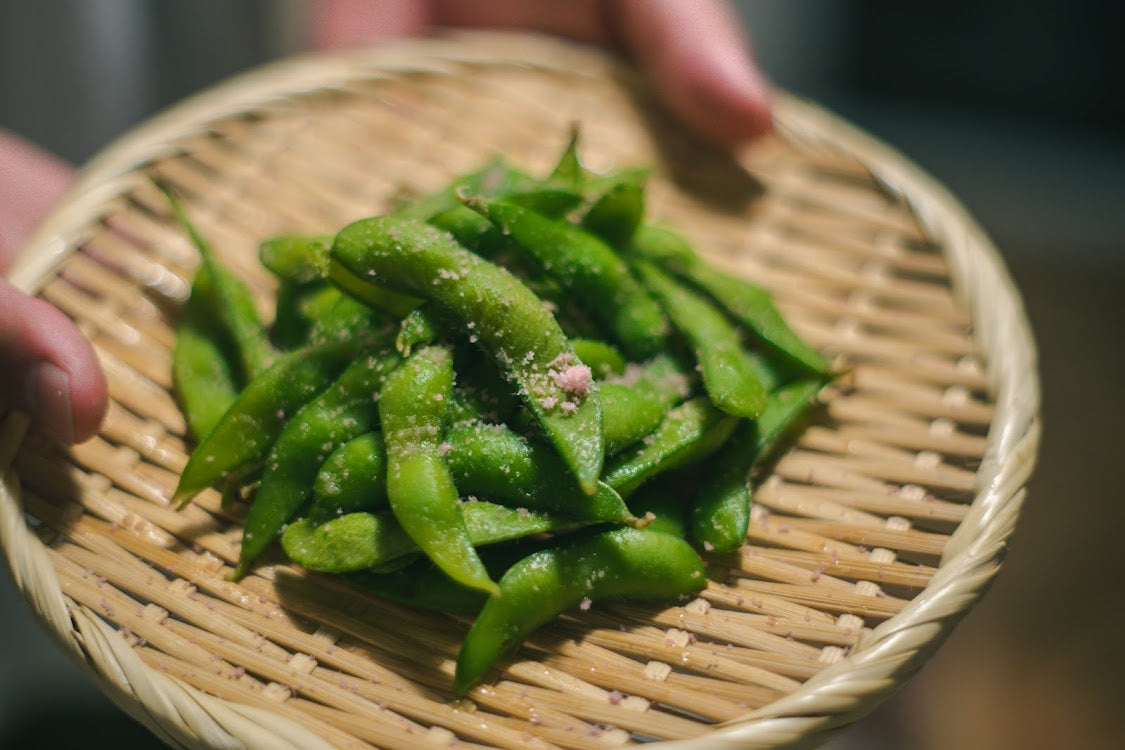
column 576, row 379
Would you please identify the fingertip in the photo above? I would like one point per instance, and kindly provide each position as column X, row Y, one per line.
column 50, row 369
column 89, row 399
column 722, row 96
column 88, row 393
column 340, row 24
column 702, row 63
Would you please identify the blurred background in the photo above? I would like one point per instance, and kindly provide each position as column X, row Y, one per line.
column 1017, row 107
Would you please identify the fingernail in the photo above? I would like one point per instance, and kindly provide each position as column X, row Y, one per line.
column 48, row 400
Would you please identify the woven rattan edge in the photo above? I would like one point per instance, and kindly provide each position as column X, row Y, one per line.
column 837, row 695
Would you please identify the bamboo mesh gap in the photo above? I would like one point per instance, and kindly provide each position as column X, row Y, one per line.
column 872, row 534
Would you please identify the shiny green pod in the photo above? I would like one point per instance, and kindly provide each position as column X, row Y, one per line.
column 345, row 409
column 746, row 302
column 619, row 564
column 589, row 269
column 491, row 461
column 248, row 429
column 362, row 540
column 504, row 316
column 420, row 489
column 730, row 379
column 720, row 513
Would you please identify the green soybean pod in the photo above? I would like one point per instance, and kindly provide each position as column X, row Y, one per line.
column 481, row 393
column 590, row 269
column 250, row 426
column 506, row 318
column 730, row 379
column 629, row 414
column 417, row 328
column 746, row 302
column 202, row 364
column 663, row 246
column 496, row 177
column 567, row 171
column 233, row 303
column 353, row 478
column 363, row 540
column 423, row 585
column 491, row 461
column 720, row 514
column 297, row 308
column 619, row 564
column 617, row 213
column 601, row 357
column 420, row 489
column 345, row 409
column 754, row 308
column 352, row 319
column 662, row 506
column 688, row 433
column 296, row 258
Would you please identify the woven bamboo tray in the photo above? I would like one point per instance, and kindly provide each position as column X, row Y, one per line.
column 871, row 537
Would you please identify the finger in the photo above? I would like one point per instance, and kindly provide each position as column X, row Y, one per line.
column 349, row 23
column 578, row 19
column 48, row 368
column 31, row 180
column 700, row 59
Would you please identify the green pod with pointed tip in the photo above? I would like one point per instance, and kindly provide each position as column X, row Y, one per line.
column 506, row 318
column 344, row 410
column 625, row 563
column 491, row 461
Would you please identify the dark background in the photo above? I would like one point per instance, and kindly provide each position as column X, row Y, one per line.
column 1017, row 107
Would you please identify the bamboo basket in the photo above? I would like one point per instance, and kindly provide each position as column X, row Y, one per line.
column 871, row 536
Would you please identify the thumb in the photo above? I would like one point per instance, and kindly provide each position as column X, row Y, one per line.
column 47, row 367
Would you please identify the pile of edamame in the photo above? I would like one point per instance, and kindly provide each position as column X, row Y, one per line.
column 510, row 398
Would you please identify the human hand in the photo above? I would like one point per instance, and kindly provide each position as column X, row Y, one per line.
column 47, row 367
column 695, row 53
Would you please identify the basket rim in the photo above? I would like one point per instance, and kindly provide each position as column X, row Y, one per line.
column 835, row 696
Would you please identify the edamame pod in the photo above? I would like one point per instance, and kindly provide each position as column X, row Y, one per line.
column 418, row 327
column 362, row 540
column 688, row 433
column 620, row 564
column 497, row 177
column 250, row 426
column 731, row 381
column 298, row 308
column 296, row 258
column 617, row 213
column 202, row 367
column 346, row 409
column 420, row 488
column 504, row 315
column 746, row 302
column 589, row 269
column 353, row 478
column 491, row 461
column 629, row 415
column 233, row 303
column 720, row 514
column 662, row 506
column 599, row 356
